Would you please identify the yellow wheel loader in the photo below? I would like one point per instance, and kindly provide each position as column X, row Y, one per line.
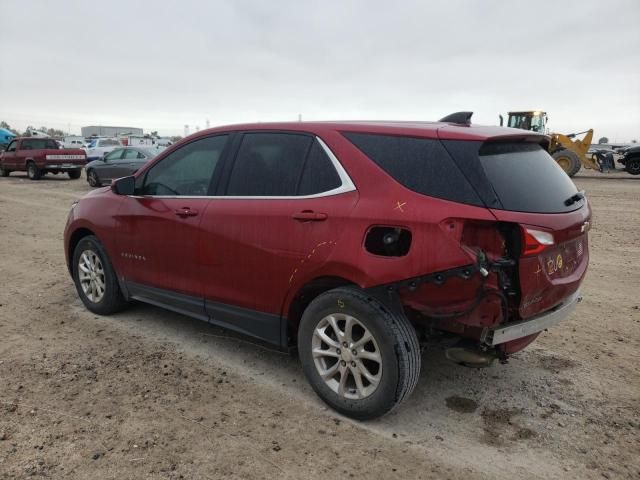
column 569, row 151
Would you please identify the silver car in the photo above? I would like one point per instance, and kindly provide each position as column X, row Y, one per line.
column 119, row 163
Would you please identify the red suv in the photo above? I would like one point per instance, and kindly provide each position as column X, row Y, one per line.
column 353, row 241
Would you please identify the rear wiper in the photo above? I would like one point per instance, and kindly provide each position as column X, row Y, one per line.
column 574, row 198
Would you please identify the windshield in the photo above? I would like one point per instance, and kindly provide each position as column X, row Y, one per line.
column 526, row 178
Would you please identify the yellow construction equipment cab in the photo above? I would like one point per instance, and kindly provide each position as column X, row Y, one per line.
column 569, row 151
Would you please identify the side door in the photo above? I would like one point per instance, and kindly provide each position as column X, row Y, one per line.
column 26, row 150
column 282, row 204
column 160, row 226
column 9, row 155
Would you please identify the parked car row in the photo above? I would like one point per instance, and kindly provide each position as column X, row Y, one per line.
column 38, row 156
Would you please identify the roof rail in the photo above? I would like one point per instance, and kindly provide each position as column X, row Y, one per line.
column 463, row 118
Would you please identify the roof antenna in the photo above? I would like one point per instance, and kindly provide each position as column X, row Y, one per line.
column 462, row 118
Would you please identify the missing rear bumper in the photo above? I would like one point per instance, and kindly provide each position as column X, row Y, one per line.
column 535, row 324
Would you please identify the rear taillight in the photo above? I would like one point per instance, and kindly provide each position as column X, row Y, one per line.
column 535, row 241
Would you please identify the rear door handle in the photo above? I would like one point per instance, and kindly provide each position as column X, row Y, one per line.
column 186, row 212
column 309, row 216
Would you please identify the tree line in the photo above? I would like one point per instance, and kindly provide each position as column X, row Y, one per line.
column 53, row 132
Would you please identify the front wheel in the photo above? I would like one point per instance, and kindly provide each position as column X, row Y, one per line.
column 568, row 160
column 360, row 357
column 33, row 173
column 4, row 172
column 95, row 279
column 632, row 165
column 74, row 174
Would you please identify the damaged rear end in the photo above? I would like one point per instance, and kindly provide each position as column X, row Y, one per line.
column 525, row 267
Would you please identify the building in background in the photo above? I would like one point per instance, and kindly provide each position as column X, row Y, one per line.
column 102, row 131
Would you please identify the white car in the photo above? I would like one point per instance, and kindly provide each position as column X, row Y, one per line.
column 99, row 147
column 73, row 142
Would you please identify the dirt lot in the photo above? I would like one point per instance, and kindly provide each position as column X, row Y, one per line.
column 152, row 394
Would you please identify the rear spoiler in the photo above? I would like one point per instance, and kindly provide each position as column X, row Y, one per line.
column 461, row 118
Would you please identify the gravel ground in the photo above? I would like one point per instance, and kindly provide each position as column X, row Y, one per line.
column 151, row 394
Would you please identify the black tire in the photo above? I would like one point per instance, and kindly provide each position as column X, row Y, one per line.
column 33, row 172
column 112, row 299
column 632, row 165
column 74, row 174
column 93, row 179
column 568, row 160
column 4, row 172
column 395, row 338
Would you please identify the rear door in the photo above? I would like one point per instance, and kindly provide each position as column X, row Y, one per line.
column 284, row 202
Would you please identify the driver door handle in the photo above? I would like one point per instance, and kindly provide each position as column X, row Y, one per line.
column 309, row 216
column 186, row 212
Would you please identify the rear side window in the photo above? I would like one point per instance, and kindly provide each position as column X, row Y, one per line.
column 420, row 164
column 526, row 178
column 34, row 144
column 269, row 164
column 319, row 173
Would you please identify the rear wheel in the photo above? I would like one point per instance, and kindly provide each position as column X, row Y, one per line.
column 33, row 172
column 568, row 160
column 632, row 165
column 74, row 174
column 360, row 357
column 92, row 178
column 95, row 279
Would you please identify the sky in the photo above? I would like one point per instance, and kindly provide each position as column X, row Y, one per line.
column 160, row 65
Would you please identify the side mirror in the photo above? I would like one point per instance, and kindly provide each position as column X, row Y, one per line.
column 501, row 120
column 124, row 186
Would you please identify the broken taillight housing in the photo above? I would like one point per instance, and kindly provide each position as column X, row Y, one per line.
column 535, row 241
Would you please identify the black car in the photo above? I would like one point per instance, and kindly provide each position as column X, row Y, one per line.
column 118, row 163
column 631, row 159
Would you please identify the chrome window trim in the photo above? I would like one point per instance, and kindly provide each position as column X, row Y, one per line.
column 347, row 185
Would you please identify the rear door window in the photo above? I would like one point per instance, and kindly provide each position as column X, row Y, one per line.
column 269, row 164
column 420, row 164
column 526, row 178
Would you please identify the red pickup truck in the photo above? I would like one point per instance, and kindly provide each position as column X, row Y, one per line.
column 38, row 156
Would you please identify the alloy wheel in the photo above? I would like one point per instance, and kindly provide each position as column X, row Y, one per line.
column 91, row 275
column 346, row 356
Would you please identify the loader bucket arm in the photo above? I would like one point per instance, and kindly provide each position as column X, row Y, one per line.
column 579, row 146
